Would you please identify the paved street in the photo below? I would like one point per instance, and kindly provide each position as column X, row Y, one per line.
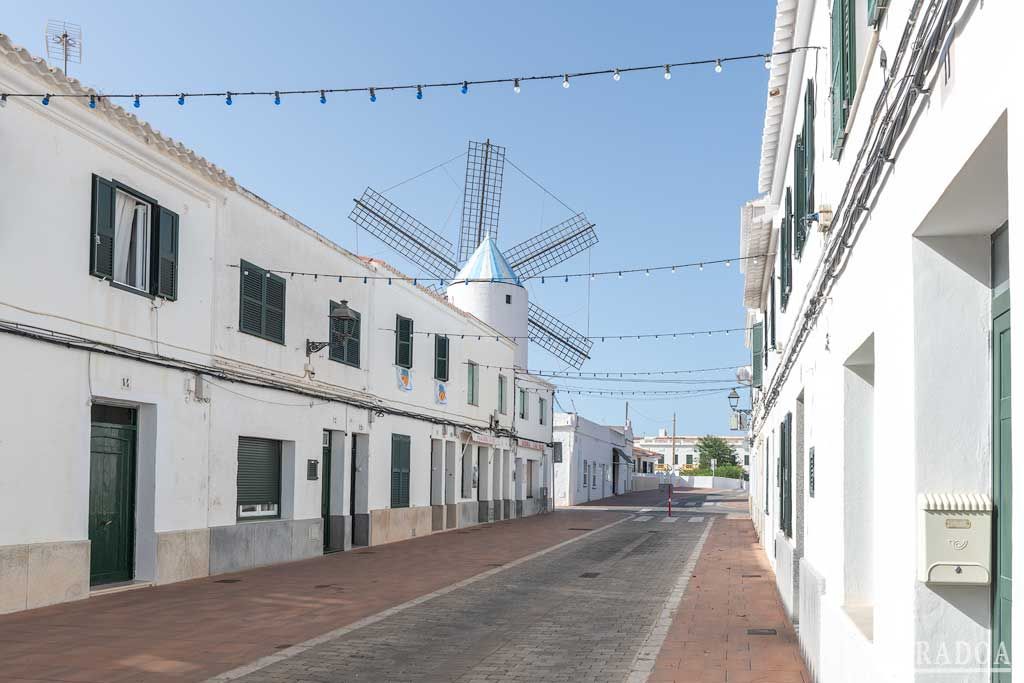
column 576, row 595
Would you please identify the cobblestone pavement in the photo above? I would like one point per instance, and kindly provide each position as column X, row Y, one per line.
column 579, row 613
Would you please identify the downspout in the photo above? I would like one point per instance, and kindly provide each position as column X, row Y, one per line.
column 869, row 57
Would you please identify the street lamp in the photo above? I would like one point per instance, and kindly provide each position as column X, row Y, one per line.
column 342, row 314
column 734, row 403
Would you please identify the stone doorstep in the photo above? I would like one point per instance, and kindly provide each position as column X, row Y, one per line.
column 123, row 587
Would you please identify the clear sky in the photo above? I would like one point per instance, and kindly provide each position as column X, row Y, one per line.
column 661, row 167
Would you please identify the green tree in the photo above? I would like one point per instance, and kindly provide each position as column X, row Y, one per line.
column 715, row 447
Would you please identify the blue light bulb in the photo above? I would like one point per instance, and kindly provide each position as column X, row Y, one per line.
column 277, row 98
column 181, row 100
column 419, row 92
column 465, row 87
column 323, row 97
column 373, row 95
column 92, row 101
column 136, row 103
column 227, row 100
column 46, row 100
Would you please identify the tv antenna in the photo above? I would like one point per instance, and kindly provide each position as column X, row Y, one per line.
column 63, row 42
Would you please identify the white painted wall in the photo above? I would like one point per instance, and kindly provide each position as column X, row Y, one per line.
column 917, row 280
column 586, row 444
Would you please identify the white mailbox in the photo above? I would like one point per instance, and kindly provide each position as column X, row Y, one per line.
column 955, row 538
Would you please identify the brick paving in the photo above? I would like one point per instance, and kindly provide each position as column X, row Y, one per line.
column 192, row 630
column 731, row 590
column 578, row 613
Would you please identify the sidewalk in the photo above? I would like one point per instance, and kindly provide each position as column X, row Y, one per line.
column 193, row 630
column 731, row 590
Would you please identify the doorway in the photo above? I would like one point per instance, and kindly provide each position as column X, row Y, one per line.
column 325, row 488
column 112, row 452
column 1002, row 597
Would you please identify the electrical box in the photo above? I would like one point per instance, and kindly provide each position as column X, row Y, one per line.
column 954, row 539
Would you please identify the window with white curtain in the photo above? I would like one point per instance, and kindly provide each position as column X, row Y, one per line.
column 132, row 229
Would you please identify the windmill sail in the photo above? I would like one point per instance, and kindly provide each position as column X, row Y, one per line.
column 481, row 199
column 394, row 227
column 557, row 338
column 551, row 247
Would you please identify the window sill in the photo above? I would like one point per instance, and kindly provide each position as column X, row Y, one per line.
column 338, row 360
column 260, row 336
column 129, row 288
column 266, row 518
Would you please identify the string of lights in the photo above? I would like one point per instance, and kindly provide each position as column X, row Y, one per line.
column 517, row 82
column 564, row 277
column 610, row 373
column 603, row 337
column 582, row 391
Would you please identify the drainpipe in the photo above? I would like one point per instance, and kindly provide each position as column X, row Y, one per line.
column 869, row 57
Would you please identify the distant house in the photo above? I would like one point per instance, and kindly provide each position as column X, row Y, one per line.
column 596, row 460
column 685, row 454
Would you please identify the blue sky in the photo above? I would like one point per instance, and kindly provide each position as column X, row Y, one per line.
column 660, row 166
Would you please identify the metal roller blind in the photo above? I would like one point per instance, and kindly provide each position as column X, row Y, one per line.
column 259, row 471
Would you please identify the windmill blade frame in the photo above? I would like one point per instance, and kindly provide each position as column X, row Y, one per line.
column 481, row 197
column 386, row 221
column 551, row 247
column 557, row 338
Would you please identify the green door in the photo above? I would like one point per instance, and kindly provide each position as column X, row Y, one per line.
column 112, row 495
column 325, row 489
column 1002, row 490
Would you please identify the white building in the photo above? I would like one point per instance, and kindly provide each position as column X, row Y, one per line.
column 880, row 329
column 685, row 454
column 162, row 421
column 592, row 461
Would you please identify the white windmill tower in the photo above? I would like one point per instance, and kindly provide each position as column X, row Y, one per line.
column 483, row 280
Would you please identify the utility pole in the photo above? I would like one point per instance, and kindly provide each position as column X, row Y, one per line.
column 674, row 461
column 627, row 415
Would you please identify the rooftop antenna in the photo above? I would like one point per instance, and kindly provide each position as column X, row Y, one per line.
column 63, row 42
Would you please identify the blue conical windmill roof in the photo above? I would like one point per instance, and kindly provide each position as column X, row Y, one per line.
column 487, row 264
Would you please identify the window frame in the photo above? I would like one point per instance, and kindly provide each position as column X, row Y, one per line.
column 472, row 383
column 344, row 357
column 265, row 275
column 407, row 440
column 438, row 358
column 542, row 410
column 502, row 398
column 524, row 404
column 273, row 510
column 399, row 319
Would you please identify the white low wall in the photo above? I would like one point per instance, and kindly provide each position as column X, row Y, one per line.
column 647, row 482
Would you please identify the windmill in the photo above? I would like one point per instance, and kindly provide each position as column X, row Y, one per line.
column 482, row 280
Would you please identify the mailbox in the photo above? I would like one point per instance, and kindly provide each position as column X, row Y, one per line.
column 955, row 539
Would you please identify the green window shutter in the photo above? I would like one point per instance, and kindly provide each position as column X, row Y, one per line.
column 771, row 310
column 799, row 210
column 259, row 471
column 472, row 383
column 273, row 315
column 757, row 353
column 876, row 8
column 787, row 251
column 400, row 448
column 101, row 244
column 844, row 69
column 166, row 284
column 809, row 151
column 250, row 305
column 441, row 357
column 403, row 342
column 344, row 350
column 502, row 400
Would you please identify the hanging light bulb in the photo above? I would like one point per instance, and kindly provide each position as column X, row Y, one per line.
column 46, row 100
column 565, row 81
column 181, row 100
column 92, row 101
column 465, row 87
column 323, row 97
column 620, row 275
column 340, row 278
column 566, row 278
column 768, row 61
column 3, row 100
column 718, row 66
column 700, row 267
column 373, row 95
column 668, row 73
column 647, row 273
column 364, row 279
column 728, row 263
column 277, row 97
column 542, row 279
column 673, row 269
column 227, row 100
column 136, row 103
column 515, row 86
column 616, row 76
column 419, row 92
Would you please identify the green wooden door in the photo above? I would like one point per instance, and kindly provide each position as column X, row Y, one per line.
column 325, row 489
column 1002, row 490
column 112, row 502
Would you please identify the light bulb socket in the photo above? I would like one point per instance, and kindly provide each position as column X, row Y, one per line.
column 668, row 72
column 616, row 76
column 565, row 81
column 515, row 86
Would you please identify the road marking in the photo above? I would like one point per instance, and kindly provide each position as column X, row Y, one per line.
column 294, row 650
column 696, row 519
column 643, row 663
column 642, row 518
column 669, row 520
